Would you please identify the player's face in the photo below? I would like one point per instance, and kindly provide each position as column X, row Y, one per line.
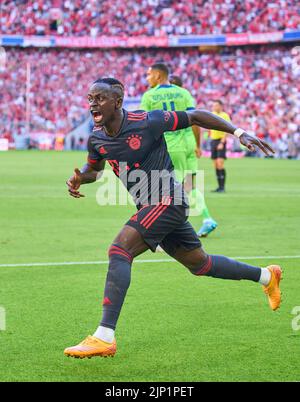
column 103, row 103
column 152, row 77
column 217, row 107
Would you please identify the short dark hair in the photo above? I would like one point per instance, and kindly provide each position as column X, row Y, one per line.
column 161, row 67
column 113, row 83
column 219, row 102
column 174, row 79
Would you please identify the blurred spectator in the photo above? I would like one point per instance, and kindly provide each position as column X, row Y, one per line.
column 146, row 17
column 81, row 144
column 257, row 83
column 59, row 143
column 282, row 146
column 293, row 144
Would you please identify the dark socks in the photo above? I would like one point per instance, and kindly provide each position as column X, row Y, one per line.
column 218, row 266
column 218, row 177
column 117, row 283
column 221, row 177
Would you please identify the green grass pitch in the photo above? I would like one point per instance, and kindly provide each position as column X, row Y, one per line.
column 173, row 327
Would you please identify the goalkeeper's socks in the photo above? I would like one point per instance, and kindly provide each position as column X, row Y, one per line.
column 105, row 334
column 265, row 277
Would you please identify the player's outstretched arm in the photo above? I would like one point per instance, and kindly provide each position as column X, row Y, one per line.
column 88, row 174
column 206, row 119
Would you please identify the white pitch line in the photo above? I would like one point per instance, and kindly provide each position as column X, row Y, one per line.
column 54, row 264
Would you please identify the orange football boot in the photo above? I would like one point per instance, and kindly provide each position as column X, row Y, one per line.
column 91, row 347
column 272, row 290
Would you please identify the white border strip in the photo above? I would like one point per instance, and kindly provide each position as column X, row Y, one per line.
column 56, row 264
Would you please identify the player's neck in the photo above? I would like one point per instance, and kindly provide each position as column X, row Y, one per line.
column 112, row 127
column 164, row 82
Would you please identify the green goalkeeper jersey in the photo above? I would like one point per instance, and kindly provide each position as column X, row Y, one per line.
column 172, row 98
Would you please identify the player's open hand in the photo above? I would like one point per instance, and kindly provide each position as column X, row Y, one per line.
column 252, row 142
column 74, row 183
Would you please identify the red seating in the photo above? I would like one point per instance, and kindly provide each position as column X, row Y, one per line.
column 257, row 85
column 146, row 17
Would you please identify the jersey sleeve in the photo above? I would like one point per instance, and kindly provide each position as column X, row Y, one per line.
column 145, row 102
column 161, row 121
column 93, row 154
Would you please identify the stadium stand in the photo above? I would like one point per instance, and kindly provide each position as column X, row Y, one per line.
column 259, row 84
column 256, row 83
column 146, row 17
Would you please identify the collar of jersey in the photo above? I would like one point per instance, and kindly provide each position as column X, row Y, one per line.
column 164, row 86
column 121, row 127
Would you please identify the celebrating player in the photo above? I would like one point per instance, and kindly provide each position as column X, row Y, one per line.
column 133, row 143
column 183, row 145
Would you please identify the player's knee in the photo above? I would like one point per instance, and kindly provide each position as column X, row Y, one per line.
column 118, row 250
column 130, row 240
column 220, row 164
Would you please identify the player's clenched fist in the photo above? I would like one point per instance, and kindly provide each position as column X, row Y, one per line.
column 74, row 183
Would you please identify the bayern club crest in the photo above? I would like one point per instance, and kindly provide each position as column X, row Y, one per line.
column 134, row 141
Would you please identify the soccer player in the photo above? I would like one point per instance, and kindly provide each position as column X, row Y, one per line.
column 218, row 147
column 133, row 144
column 184, row 146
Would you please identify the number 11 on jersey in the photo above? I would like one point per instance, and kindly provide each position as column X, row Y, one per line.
column 172, row 106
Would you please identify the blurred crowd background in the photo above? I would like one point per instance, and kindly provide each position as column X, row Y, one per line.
column 147, row 17
column 259, row 85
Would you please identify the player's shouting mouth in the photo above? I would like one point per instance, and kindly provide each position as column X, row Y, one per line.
column 97, row 116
